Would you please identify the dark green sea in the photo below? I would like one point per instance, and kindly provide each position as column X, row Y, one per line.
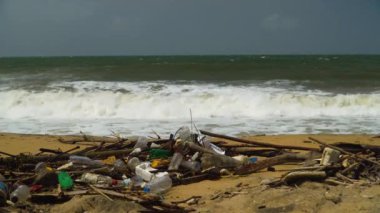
column 229, row 94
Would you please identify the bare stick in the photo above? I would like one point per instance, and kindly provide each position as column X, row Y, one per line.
column 257, row 143
column 100, row 192
column 187, row 199
column 342, row 177
column 158, row 136
column 345, row 152
column 7, row 154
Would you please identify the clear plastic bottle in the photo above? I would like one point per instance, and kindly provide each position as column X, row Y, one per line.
column 161, row 183
column 120, row 166
column 183, row 133
column 137, row 181
column 219, row 161
column 82, row 160
column 92, row 178
column 21, row 194
column 142, row 143
column 132, row 163
column 175, row 161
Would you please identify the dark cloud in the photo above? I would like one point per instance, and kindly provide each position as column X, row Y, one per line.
column 126, row 27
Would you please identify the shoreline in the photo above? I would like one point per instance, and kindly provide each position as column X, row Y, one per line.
column 15, row 143
column 238, row 193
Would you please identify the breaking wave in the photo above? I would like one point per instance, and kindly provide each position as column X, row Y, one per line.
column 160, row 101
column 138, row 107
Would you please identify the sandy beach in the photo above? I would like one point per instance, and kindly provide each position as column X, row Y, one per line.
column 240, row 193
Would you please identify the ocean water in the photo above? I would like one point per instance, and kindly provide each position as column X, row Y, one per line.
column 226, row 94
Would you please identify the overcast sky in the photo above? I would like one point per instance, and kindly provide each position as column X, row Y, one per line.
column 170, row 27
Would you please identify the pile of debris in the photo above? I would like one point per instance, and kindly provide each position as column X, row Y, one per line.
column 141, row 170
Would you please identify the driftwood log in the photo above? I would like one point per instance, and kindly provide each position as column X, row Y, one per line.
column 297, row 176
column 262, row 144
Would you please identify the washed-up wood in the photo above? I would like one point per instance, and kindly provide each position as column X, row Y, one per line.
column 197, row 148
column 254, row 151
column 7, row 154
column 100, row 192
column 356, row 148
column 262, row 164
column 150, row 201
column 262, row 144
column 51, row 151
column 342, row 177
column 196, row 178
column 334, row 182
column 87, row 138
column 358, row 157
column 296, row 176
column 187, row 199
column 350, row 168
column 14, row 162
column 235, row 145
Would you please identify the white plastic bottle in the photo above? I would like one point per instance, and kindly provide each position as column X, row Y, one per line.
column 143, row 171
column 161, row 183
column 21, row 194
column 132, row 163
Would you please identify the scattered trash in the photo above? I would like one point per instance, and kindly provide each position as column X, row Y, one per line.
column 140, row 170
column 20, row 194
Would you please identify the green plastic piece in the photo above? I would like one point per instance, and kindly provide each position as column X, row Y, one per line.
column 65, row 181
column 159, row 154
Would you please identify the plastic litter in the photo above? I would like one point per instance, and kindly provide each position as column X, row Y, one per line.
column 21, row 194
column 3, row 191
column 144, row 171
column 65, row 181
column 175, row 161
column 97, row 179
column 161, row 183
column 82, row 160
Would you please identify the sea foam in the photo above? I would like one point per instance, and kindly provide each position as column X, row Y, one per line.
column 118, row 102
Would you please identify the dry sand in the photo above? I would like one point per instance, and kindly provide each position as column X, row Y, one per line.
column 240, row 193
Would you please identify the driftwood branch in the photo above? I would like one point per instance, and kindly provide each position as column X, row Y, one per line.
column 100, row 192
column 257, row 143
column 20, row 159
column 265, row 152
column 7, row 154
column 86, row 138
